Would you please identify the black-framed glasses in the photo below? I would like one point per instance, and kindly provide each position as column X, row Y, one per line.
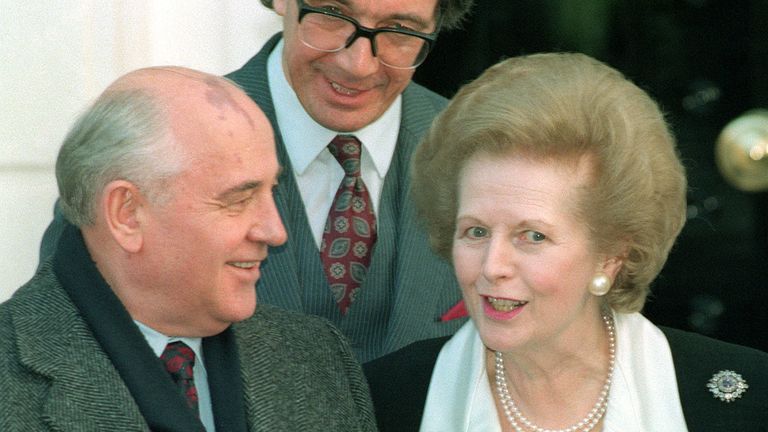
column 329, row 31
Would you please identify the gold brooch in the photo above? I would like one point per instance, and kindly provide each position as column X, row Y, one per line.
column 727, row 385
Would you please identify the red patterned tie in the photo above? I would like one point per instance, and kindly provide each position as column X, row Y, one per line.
column 350, row 230
column 179, row 360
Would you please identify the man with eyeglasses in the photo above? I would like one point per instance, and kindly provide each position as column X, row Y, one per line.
column 344, row 67
column 340, row 74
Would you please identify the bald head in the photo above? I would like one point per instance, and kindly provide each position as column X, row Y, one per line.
column 169, row 175
column 142, row 129
column 188, row 90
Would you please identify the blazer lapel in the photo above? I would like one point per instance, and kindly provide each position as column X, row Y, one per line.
column 292, row 276
column 424, row 286
column 280, row 282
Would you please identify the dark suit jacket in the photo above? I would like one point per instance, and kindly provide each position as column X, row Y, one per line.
column 292, row 371
column 399, row 383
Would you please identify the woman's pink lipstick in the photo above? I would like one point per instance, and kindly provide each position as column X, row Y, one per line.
column 502, row 309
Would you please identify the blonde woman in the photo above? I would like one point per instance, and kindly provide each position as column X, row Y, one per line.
column 554, row 187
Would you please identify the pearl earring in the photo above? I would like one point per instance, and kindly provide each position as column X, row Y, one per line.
column 600, row 284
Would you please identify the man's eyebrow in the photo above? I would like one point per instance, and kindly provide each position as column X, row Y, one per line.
column 242, row 187
column 414, row 19
column 246, row 186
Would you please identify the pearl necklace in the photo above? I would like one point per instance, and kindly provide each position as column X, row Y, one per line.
column 586, row 424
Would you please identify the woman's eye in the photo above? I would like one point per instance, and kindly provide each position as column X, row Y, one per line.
column 534, row 236
column 477, row 232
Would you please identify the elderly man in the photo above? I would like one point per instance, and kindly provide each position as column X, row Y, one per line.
column 143, row 318
column 336, row 86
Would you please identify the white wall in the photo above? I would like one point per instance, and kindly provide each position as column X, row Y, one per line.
column 56, row 56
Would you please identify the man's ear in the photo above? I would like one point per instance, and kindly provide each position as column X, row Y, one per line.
column 122, row 206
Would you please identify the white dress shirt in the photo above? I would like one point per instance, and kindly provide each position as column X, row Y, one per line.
column 158, row 341
column 317, row 172
column 643, row 396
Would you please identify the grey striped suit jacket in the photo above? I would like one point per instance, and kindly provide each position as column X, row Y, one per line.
column 297, row 372
column 407, row 289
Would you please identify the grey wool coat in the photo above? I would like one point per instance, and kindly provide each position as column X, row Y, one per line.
column 295, row 372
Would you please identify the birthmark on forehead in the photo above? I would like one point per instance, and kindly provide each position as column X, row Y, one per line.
column 219, row 96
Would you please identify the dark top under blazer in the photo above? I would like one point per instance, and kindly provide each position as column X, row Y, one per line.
column 399, row 383
column 407, row 288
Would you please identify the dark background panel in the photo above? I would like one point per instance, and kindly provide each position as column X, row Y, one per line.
column 706, row 62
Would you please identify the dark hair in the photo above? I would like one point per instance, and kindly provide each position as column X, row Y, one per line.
column 452, row 12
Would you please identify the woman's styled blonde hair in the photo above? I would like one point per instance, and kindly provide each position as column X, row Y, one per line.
column 565, row 108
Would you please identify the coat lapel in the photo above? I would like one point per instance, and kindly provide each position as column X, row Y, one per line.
column 696, row 360
column 111, row 327
column 85, row 390
column 259, row 378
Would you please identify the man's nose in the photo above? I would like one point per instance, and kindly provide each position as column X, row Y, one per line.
column 358, row 59
column 268, row 226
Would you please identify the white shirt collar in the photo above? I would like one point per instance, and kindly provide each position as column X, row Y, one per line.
column 157, row 341
column 305, row 138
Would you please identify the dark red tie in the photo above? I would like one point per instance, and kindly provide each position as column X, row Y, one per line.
column 350, row 230
column 179, row 360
